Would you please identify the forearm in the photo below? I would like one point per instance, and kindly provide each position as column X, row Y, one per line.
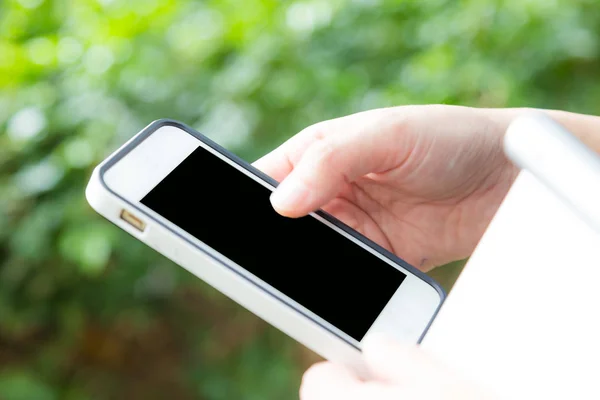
column 585, row 127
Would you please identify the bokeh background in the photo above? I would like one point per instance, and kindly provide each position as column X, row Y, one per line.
column 87, row 312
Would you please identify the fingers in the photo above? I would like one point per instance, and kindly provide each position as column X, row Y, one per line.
column 275, row 164
column 320, row 175
column 390, row 361
column 314, row 165
column 398, row 371
column 280, row 162
column 327, row 381
column 346, row 149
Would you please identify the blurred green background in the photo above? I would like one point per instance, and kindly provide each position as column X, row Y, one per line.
column 87, row 312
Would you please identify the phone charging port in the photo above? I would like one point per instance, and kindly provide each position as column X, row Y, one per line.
column 133, row 220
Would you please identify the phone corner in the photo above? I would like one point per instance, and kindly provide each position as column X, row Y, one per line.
column 442, row 297
column 158, row 123
column 94, row 190
column 438, row 288
column 435, row 286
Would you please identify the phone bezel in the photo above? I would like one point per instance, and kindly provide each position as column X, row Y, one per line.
column 241, row 164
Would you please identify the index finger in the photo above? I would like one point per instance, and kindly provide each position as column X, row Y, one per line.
column 280, row 162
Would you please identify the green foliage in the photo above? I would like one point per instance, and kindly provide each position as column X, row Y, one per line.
column 85, row 310
column 22, row 386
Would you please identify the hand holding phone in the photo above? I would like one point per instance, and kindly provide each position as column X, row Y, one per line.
column 313, row 277
column 421, row 181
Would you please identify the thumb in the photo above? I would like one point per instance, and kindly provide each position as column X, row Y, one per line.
column 346, row 153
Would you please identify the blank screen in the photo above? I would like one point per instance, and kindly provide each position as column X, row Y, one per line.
column 303, row 258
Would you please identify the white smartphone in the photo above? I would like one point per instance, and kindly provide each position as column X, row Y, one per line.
column 313, row 278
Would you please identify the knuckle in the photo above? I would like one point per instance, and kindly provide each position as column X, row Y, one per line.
column 319, row 130
column 324, row 154
column 315, row 132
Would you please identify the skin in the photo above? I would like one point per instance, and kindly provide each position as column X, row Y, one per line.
column 423, row 182
column 418, row 376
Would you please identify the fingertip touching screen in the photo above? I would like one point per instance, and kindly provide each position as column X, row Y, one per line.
column 304, row 259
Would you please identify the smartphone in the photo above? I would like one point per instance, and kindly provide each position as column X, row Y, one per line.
column 314, row 278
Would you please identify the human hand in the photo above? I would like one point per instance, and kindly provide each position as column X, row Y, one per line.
column 421, row 181
column 397, row 371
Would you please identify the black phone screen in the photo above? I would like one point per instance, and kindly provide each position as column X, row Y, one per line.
column 303, row 258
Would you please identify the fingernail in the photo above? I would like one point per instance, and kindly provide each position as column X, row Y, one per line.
column 289, row 195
